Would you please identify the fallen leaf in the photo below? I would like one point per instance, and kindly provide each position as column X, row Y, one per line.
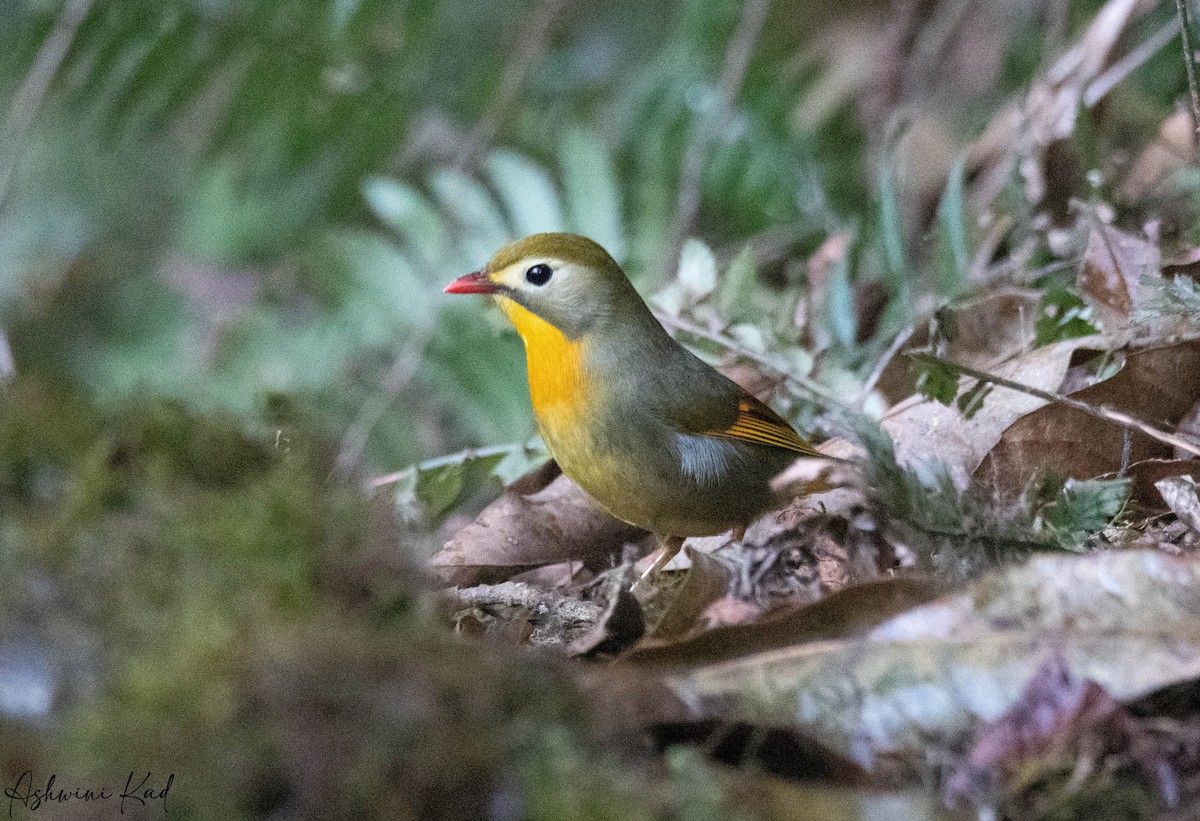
column 993, row 328
column 1179, row 492
column 923, row 430
column 530, row 525
column 1158, row 383
column 938, row 669
column 845, row 613
column 1058, row 718
column 619, row 627
column 1115, row 263
column 707, row 581
column 1145, row 475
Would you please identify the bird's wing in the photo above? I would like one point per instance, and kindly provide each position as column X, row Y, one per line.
column 728, row 412
column 757, row 423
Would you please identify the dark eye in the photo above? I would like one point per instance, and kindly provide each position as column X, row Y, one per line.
column 538, row 274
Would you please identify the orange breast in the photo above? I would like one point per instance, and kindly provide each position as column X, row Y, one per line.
column 557, row 382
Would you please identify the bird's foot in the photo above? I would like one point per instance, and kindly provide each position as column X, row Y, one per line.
column 662, row 555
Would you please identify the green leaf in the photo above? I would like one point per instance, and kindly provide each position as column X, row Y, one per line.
column 590, row 187
column 481, row 225
column 437, row 489
column 839, row 304
column 405, row 210
column 936, row 381
column 952, row 234
column 697, row 269
column 426, row 490
column 972, row 399
column 527, row 192
column 738, row 289
column 1083, row 507
column 1064, row 316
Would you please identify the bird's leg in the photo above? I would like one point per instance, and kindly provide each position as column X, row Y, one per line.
column 668, row 546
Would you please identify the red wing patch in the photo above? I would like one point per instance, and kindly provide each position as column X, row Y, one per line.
column 757, row 423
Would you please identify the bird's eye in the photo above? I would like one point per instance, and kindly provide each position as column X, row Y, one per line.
column 538, row 274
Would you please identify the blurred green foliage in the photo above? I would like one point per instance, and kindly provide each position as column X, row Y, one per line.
column 222, row 249
column 196, row 599
column 233, row 203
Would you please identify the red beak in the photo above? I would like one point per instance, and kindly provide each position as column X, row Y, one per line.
column 476, row 283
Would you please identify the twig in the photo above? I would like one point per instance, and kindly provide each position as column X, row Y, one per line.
column 1130, row 63
column 1097, row 411
column 882, row 364
column 733, row 73
column 732, row 345
column 354, row 442
column 1189, row 60
column 531, row 43
column 8, row 365
column 465, row 455
column 27, row 102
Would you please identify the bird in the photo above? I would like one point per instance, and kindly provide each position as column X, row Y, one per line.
column 652, row 433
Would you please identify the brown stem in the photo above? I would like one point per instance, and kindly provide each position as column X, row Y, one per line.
column 1099, row 412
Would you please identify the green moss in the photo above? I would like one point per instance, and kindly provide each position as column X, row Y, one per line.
column 215, row 607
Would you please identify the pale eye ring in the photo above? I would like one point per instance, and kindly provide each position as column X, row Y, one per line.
column 538, row 274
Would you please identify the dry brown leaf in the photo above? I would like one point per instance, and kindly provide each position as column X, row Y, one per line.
column 707, row 581
column 980, row 333
column 995, row 327
column 923, row 429
column 1173, row 150
column 1180, row 494
column 1057, row 719
column 620, row 626
column 1143, row 477
column 1114, row 264
column 940, row 668
column 1158, row 383
column 531, row 525
column 838, row 615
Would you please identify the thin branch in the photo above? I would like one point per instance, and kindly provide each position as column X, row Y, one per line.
column 29, row 97
column 732, row 345
column 531, row 43
column 1189, row 60
column 398, row 378
column 1130, row 63
column 733, row 73
column 1099, row 412
column 465, row 455
column 882, row 364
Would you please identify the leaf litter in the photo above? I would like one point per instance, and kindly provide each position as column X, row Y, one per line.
column 1008, row 685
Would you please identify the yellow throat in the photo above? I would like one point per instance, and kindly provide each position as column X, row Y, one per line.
column 556, row 372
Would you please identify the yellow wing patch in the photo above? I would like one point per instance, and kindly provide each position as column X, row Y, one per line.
column 757, row 423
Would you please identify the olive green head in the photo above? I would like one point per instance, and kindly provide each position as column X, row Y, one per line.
column 567, row 280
